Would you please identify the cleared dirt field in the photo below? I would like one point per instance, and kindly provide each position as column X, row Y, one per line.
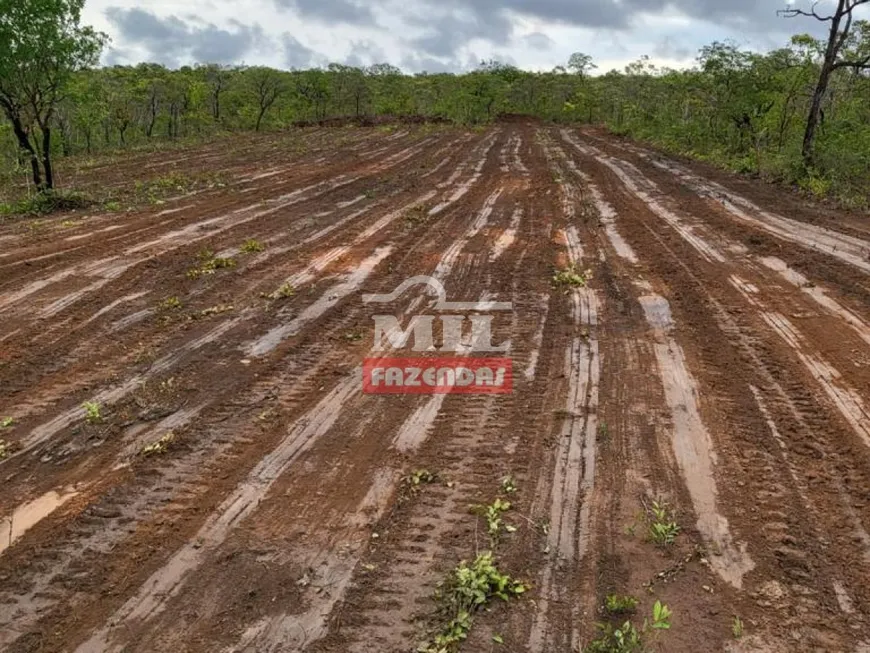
column 717, row 361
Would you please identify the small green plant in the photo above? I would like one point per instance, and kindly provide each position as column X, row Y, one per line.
column 419, row 478
column 737, row 627
column 284, row 292
column 7, row 422
column 493, row 515
column 4, row 449
column 252, row 246
column 624, row 639
column 616, row 604
column 209, row 264
column 508, row 485
column 161, row 446
column 571, row 277
column 468, row 589
column 661, row 617
column 663, row 529
column 93, row 412
column 170, row 304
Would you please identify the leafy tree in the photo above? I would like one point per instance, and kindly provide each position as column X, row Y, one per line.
column 839, row 34
column 581, row 64
column 41, row 45
column 265, row 86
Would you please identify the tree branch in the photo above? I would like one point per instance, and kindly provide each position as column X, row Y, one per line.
column 863, row 64
column 792, row 13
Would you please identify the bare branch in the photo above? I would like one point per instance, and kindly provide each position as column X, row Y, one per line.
column 794, row 12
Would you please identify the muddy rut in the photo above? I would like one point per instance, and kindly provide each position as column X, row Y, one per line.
column 231, row 487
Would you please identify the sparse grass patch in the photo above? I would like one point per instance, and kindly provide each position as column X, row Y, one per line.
column 53, row 201
column 252, row 246
column 571, row 277
column 5, row 449
column 7, row 422
column 209, row 264
column 284, row 292
column 167, row 386
column 416, row 215
column 469, row 588
column 154, row 191
column 170, row 304
column 737, row 627
column 618, row 604
column 161, row 446
column 216, row 310
column 93, row 412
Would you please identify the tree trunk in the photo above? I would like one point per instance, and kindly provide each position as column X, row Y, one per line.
column 831, row 52
column 46, row 157
column 815, row 113
column 150, row 129
column 25, row 145
column 260, row 119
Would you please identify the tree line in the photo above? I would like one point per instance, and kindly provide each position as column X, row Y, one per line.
column 800, row 113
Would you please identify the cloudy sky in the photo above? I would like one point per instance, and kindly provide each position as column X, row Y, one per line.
column 432, row 35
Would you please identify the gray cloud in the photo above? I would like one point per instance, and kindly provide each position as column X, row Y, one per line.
column 365, row 53
column 449, row 26
column 296, row 55
column 447, row 33
column 171, row 39
column 670, row 48
column 331, row 11
column 623, row 14
column 539, row 41
column 438, row 35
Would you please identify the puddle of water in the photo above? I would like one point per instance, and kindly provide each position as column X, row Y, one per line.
column 28, row 515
